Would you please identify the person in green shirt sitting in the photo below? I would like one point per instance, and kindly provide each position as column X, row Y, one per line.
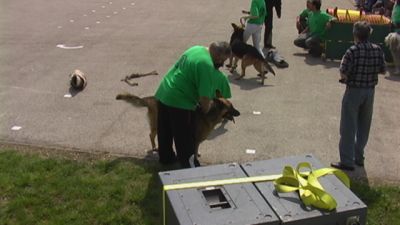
column 302, row 19
column 255, row 21
column 191, row 82
column 314, row 34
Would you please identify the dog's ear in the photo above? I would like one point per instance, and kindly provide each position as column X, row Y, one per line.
column 235, row 27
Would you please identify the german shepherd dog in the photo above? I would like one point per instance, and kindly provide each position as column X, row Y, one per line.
column 220, row 109
column 248, row 54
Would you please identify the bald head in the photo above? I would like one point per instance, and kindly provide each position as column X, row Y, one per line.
column 219, row 51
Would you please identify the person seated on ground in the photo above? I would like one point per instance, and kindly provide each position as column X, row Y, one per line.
column 302, row 19
column 314, row 34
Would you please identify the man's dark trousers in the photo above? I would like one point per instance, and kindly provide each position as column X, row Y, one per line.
column 178, row 126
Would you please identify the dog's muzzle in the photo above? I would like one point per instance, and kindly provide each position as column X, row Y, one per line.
column 231, row 114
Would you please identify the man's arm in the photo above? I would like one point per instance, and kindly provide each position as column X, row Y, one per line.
column 345, row 66
column 205, row 104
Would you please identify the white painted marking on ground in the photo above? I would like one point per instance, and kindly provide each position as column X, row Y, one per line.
column 103, row 6
column 71, row 21
column 93, row 11
column 115, row 12
column 87, row 28
column 84, row 14
column 256, row 112
column 67, row 95
column 132, row 3
column 123, row 8
column 110, row 3
column 108, row 16
column 69, row 47
column 16, row 128
column 97, row 22
column 59, row 27
column 250, row 151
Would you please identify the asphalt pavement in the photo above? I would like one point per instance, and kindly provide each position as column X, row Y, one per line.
column 295, row 113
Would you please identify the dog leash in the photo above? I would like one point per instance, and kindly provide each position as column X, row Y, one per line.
column 310, row 190
column 137, row 75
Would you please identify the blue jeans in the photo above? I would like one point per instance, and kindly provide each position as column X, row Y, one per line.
column 355, row 123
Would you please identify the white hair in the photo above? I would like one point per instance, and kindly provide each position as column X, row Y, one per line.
column 392, row 40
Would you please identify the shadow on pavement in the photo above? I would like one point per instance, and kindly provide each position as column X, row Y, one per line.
column 249, row 82
column 72, row 91
column 393, row 77
column 313, row 61
column 220, row 130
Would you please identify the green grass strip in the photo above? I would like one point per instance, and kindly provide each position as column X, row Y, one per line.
column 57, row 190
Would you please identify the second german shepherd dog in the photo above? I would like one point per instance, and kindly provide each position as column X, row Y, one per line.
column 220, row 109
column 248, row 54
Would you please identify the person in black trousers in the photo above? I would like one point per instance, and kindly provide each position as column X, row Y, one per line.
column 270, row 4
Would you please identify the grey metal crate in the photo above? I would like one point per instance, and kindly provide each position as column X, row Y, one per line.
column 234, row 204
column 288, row 206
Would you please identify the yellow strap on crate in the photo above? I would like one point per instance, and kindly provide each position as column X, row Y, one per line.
column 310, row 190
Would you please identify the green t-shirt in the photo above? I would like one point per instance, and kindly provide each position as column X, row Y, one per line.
column 191, row 77
column 258, row 9
column 222, row 84
column 317, row 23
column 305, row 13
column 396, row 17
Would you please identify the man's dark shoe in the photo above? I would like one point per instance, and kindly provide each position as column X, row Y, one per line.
column 339, row 165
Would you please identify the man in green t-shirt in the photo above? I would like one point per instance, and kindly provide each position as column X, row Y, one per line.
column 302, row 19
column 314, row 34
column 255, row 21
column 191, row 82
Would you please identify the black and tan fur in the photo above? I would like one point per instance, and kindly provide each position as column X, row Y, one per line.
column 221, row 108
column 248, row 54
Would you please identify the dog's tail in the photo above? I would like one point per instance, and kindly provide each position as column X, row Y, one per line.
column 135, row 100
